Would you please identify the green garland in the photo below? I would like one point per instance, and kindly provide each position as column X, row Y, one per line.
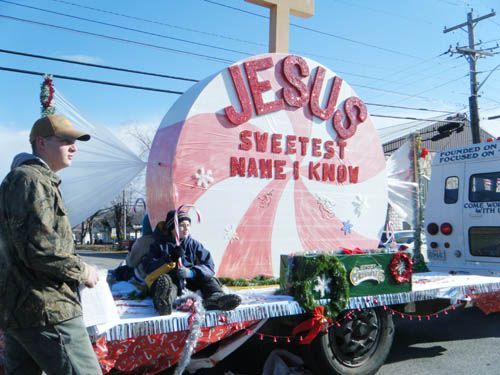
column 256, row 281
column 305, row 279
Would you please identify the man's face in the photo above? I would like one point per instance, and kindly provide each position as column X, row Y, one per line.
column 57, row 152
column 184, row 227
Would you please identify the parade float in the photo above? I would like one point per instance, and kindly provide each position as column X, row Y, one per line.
column 281, row 158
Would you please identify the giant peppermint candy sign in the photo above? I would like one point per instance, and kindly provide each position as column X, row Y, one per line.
column 279, row 155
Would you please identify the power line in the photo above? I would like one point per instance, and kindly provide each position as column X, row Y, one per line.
column 183, row 40
column 127, row 28
column 417, row 119
column 71, row 78
column 392, row 14
column 412, row 108
column 158, row 22
column 320, row 32
column 213, row 34
column 417, row 95
column 245, row 53
column 187, row 79
column 212, row 58
column 155, row 74
column 97, row 65
column 14, row 70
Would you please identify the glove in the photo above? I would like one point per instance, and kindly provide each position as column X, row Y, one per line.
column 176, row 253
column 185, row 273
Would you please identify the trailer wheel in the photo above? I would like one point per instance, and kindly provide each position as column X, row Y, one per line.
column 359, row 346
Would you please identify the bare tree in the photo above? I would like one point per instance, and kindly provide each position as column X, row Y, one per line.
column 144, row 139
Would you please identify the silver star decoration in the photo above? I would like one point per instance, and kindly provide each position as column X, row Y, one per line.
column 322, row 285
column 230, row 233
column 360, row 205
column 204, row 178
column 401, row 267
column 326, row 206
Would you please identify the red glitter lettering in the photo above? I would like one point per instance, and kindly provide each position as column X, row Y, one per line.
column 290, row 144
column 326, row 113
column 313, row 171
column 355, row 113
column 258, row 87
column 278, row 169
column 246, row 143
column 261, row 141
column 237, row 166
column 266, row 168
column 292, row 76
column 341, row 173
column 252, row 168
column 243, row 97
column 276, row 143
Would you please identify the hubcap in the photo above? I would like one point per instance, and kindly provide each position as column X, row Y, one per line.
column 356, row 339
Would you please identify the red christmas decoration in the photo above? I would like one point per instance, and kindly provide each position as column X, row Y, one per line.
column 401, row 267
column 317, row 323
column 424, row 153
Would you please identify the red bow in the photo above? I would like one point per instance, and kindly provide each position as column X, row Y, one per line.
column 313, row 326
column 424, row 153
column 356, row 250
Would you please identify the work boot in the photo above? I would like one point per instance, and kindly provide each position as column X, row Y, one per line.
column 221, row 301
column 164, row 294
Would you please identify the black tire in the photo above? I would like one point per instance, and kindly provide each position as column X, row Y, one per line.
column 358, row 347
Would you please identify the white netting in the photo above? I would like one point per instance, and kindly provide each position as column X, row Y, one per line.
column 402, row 189
column 102, row 167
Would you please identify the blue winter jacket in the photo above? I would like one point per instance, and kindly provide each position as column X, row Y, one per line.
column 195, row 256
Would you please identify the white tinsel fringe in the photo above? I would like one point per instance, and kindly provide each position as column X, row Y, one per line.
column 271, row 309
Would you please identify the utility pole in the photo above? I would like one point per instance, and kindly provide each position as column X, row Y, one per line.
column 472, row 55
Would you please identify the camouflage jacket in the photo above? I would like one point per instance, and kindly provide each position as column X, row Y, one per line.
column 40, row 272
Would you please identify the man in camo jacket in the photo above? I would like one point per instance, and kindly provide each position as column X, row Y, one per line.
column 40, row 311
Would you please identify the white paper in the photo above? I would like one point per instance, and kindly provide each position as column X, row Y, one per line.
column 98, row 304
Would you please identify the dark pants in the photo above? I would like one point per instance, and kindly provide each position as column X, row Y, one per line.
column 207, row 285
column 60, row 349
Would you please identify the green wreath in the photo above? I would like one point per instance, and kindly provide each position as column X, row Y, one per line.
column 304, row 280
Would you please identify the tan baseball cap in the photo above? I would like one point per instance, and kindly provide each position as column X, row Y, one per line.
column 56, row 125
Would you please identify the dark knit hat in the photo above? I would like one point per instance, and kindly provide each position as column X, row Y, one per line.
column 181, row 216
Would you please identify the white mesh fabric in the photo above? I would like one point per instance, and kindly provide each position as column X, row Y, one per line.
column 102, row 168
column 402, row 189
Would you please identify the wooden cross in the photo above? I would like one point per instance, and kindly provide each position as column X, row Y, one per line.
column 279, row 20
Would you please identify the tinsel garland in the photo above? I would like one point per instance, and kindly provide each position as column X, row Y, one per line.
column 46, row 96
column 190, row 302
column 305, row 278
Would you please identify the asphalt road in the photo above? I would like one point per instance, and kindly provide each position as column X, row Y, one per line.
column 463, row 342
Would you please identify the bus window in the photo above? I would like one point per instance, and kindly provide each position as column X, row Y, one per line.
column 451, row 190
column 484, row 241
column 484, row 187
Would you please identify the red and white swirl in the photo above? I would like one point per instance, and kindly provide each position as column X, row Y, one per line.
column 247, row 221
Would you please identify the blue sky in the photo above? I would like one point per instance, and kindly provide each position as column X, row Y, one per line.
column 390, row 52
